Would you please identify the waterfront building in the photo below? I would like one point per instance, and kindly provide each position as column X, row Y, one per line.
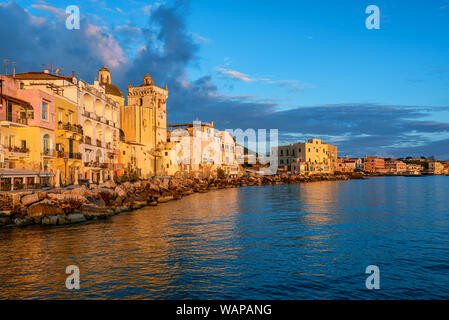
column 436, row 167
column 374, row 164
column 69, row 135
column 26, row 134
column 395, row 166
column 202, row 149
column 347, row 164
column 311, row 157
column 98, row 117
column 144, row 124
column 414, row 169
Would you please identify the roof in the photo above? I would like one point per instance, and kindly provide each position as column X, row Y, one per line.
column 104, row 69
column 41, row 76
column 23, row 103
column 17, row 172
column 113, row 90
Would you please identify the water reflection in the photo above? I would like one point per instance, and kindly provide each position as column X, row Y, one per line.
column 283, row 241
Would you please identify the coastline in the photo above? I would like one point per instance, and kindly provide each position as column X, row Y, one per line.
column 78, row 204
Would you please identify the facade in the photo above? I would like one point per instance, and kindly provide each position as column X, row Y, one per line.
column 199, row 148
column 348, row 164
column 414, row 169
column 436, row 167
column 144, row 123
column 98, row 118
column 311, row 157
column 69, row 135
column 395, row 166
column 27, row 134
column 374, row 164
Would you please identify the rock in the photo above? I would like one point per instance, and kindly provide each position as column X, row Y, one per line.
column 23, row 221
column 50, row 220
column 108, row 184
column 120, row 192
column 90, row 208
column 96, row 202
column 106, row 194
column 30, row 199
column 76, row 218
column 164, row 199
column 62, row 219
column 4, row 221
column 42, row 208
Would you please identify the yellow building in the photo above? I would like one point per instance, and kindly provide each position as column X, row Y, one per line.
column 436, row 167
column 68, row 135
column 311, row 157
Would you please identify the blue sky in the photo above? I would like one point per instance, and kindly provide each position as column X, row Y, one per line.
column 308, row 68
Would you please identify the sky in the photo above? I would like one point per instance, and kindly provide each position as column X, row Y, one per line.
column 306, row 68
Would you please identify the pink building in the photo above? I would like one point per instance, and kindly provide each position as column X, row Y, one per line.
column 395, row 166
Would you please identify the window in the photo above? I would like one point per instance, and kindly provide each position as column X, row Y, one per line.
column 309, row 149
column 59, row 116
column 24, row 144
column 140, row 102
column 46, row 143
column 44, row 111
column 282, row 161
column 69, row 117
column 286, row 152
column 282, row 152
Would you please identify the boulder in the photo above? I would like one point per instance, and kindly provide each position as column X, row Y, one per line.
column 30, row 199
column 62, row 219
column 76, row 217
column 42, row 208
column 50, row 220
column 4, row 221
column 23, row 221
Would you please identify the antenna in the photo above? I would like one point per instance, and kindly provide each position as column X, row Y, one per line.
column 6, row 61
column 14, row 69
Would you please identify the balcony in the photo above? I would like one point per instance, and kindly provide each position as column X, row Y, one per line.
column 69, row 155
column 49, row 153
column 92, row 164
column 16, row 152
column 9, row 119
column 71, row 127
column 99, row 144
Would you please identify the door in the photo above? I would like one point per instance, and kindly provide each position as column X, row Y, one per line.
column 8, row 111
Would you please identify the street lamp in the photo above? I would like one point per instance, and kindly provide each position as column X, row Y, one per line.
column 65, row 171
column 1, row 93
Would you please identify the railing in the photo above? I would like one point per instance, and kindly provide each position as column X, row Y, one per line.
column 13, row 117
column 17, row 149
column 70, row 127
column 69, row 155
column 93, row 164
column 49, row 152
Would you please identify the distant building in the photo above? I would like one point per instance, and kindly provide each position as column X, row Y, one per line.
column 395, row 166
column 436, row 167
column 414, row 168
column 311, row 157
column 374, row 164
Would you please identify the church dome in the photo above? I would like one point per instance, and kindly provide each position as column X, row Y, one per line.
column 113, row 90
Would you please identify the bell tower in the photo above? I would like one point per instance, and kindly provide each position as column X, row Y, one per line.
column 104, row 76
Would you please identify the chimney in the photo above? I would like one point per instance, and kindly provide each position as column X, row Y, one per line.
column 73, row 74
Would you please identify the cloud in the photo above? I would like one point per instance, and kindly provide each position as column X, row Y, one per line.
column 32, row 41
column 293, row 85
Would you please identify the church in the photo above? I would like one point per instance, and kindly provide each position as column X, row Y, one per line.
column 143, row 124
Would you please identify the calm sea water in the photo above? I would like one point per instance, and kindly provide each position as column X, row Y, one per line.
column 307, row 241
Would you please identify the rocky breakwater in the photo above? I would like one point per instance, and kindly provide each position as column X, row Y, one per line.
column 79, row 204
